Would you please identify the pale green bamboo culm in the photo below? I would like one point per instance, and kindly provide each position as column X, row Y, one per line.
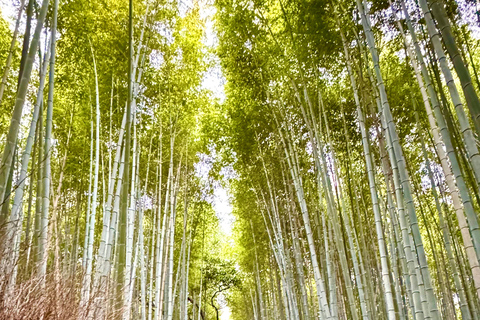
column 123, row 214
column 5, row 164
column 445, row 29
column 91, row 218
column 403, row 174
column 43, row 237
column 373, row 192
column 469, row 138
column 16, row 216
column 471, row 229
column 8, row 63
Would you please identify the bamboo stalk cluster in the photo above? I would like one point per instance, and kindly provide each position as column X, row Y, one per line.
column 114, row 244
column 357, row 230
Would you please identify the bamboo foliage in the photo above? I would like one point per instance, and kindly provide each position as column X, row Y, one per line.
column 352, row 175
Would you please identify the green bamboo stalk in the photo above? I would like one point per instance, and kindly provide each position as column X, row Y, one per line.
column 89, row 197
column 8, row 62
column 446, row 235
column 43, row 238
column 471, row 230
column 471, row 96
column 469, row 139
column 404, row 179
column 373, row 192
column 38, row 200
column 123, row 214
column 322, row 301
column 16, row 216
column 92, row 217
column 5, row 164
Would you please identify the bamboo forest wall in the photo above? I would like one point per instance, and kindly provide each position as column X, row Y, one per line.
column 344, row 137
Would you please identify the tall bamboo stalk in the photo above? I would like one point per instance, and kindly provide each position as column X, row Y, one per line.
column 43, row 237
column 5, row 164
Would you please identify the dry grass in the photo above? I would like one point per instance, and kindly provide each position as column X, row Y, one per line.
column 37, row 299
column 57, row 297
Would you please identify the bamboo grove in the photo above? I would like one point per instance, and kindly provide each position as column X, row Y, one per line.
column 353, row 126
column 347, row 136
column 104, row 214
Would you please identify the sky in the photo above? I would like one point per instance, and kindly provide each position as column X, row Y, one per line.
column 214, row 81
column 223, row 209
column 9, row 11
